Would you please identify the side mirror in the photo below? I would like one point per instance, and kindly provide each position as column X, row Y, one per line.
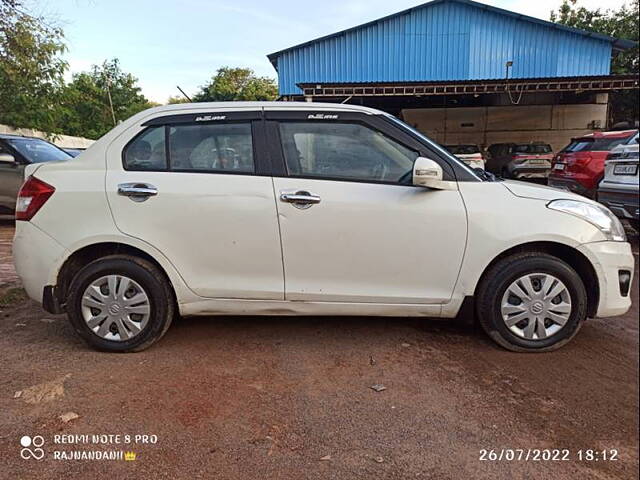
column 428, row 173
column 7, row 158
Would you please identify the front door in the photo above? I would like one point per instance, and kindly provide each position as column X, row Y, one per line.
column 191, row 189
column 354, row 228
column 11, row 179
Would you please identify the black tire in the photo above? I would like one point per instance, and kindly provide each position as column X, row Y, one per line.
column 147, row 275
column 502, row 274
column 505, row 173
column 635, row 225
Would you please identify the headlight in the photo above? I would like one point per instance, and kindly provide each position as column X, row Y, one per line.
column 595, row 214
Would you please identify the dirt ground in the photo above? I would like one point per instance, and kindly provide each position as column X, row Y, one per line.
column 290, row 398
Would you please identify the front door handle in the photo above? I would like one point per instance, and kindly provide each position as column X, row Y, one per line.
column 138, row 192
column 299, row 198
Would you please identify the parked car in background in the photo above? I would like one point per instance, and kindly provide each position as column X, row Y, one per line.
column 619, row 189
column 579, row 167
column 519, row 160
column 16, row 152
column 296, row 208
column 469, row 154
column 74, row 152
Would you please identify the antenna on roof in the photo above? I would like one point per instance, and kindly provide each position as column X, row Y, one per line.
column 182, row 92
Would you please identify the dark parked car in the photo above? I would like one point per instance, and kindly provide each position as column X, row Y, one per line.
column 520, row 160
column 16, row 152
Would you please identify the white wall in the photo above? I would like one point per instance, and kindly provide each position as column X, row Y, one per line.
column 552, row 124
column 64, row 141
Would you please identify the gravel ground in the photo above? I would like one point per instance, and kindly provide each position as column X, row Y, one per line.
column 290, row 398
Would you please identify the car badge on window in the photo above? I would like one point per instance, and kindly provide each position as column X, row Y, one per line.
column 322, row 116
column 209, row 118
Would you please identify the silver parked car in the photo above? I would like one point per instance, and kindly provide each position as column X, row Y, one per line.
column 16, row 152
column 619, row 189
column 520, row 160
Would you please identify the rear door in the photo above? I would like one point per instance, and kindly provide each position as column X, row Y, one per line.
column 364, row 232
column 210, row 207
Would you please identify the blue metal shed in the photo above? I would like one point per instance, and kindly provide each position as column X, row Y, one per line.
column 448, row 40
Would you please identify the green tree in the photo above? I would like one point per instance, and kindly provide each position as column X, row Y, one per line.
column 620, row 23
column 237, row 84
column 95, row 101
column 31, row 69
column 176, row 99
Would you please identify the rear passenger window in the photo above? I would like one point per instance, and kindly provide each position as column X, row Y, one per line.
column 146, row 152
column 211, row 147
column 198, row 148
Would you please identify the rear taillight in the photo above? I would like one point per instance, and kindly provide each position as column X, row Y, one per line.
column 582, row 160
column 31, row 197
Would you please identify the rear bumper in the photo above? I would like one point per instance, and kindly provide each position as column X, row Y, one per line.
column 613, row 263
column 571, row 186
column 623, row 203
column 36, row 256
column 529, row 171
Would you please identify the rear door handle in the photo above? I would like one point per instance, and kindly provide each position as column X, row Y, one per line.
column 299, row 198
column 138, row 192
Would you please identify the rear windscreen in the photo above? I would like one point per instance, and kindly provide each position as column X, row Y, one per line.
column 38, row 151
column 532, row 148
column 594, row 144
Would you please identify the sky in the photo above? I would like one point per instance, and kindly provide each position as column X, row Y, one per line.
column 183, row 42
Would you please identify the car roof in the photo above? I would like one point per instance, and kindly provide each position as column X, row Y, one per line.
column 175, row 108
column 612, row 134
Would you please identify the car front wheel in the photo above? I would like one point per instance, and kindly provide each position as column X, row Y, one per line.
column 120, row 303
column 531, row 302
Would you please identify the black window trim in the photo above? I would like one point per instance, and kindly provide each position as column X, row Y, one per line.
column 377, row 123
column 173, row 120
column 356, row 121
column 268, row 155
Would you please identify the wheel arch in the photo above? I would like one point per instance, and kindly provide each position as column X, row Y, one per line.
column 88, row 253
column 575, row 259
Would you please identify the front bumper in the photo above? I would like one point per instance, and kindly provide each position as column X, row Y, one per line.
column 610, row 260
column 36, row 256
column 624, row 204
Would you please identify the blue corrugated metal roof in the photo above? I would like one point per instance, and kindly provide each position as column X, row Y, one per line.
column 446, row 40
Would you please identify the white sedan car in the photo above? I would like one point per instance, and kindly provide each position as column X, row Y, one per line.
column 306, row 209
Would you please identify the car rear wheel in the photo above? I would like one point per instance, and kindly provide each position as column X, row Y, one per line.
column 120, row 303
column 531, row 302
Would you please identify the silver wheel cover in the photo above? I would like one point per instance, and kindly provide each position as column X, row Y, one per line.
column 536, row 306
column 115, row 307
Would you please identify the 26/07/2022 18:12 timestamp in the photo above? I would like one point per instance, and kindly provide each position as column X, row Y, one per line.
column 547, row 455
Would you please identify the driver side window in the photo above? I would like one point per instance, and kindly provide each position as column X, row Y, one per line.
column 347, row 151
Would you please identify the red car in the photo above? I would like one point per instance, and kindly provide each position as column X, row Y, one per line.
column 579, row 166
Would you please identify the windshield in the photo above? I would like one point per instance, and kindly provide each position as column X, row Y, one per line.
column 594, row 144
column 532, row 148
column 430, row 142
column 38, row 151
column 463, row 149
